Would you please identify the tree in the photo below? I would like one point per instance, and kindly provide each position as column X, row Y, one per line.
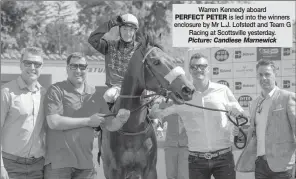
column 11, row 17
column 61, row 25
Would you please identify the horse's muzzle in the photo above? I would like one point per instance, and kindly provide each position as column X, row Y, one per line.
column 187, row 91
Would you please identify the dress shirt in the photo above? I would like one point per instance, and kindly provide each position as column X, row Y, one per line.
column 22, row 119
column 261, row 120
column 207, row 130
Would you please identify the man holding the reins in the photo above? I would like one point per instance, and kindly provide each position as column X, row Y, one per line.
column 70, row 119
column 209, row 132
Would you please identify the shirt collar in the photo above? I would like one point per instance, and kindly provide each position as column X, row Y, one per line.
column 87, row 88
column 210, row 86
column 22, row 84
column 270, row 93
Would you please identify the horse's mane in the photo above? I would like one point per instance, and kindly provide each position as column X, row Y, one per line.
column 148, row 38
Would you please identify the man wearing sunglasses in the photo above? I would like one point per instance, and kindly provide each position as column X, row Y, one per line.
column 22, row 119
column 210, row 134
column 72, row 113
column 270, row 150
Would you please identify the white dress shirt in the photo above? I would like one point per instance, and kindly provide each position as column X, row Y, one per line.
column 207, row 130
column 262, row 109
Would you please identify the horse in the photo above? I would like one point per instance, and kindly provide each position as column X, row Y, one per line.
column 131, row 152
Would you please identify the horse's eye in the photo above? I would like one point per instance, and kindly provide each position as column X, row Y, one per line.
column 156, row 62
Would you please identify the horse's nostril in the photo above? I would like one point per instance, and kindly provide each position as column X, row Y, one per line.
column 186, row 90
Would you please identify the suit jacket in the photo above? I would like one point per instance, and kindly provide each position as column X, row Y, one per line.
column 280, row 143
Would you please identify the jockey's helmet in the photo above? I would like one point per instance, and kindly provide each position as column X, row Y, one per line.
column 130, row 20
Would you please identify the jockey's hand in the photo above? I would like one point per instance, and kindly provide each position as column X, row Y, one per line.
column 95, row 120
column 119, row 19
column 116, row 21
column 123, row 115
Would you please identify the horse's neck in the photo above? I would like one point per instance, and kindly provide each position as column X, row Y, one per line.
column 137, row 118
column 129, row 102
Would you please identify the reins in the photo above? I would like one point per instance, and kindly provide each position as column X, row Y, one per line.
column 134, row 110
column 234, row 123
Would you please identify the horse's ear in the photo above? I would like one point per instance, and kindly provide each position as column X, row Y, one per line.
column 142, row 38
column 159, row 37
column 147, row 40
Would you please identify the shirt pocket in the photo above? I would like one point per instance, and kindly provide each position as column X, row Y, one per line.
column 22, row 105
column 278, row 112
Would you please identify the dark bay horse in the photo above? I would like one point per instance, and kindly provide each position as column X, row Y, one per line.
column 131, row 152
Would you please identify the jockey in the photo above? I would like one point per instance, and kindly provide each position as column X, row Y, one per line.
column 118, row 52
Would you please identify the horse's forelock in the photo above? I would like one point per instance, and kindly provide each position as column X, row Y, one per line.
column 154, row 42
column 148, row 39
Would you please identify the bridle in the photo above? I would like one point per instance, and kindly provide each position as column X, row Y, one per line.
column 163, row 91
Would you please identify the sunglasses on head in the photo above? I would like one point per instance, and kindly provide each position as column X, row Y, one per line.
column 198, row 66
column 28, row 63
column 76, row 66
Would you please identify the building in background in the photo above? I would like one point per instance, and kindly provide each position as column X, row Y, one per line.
column 54, row 69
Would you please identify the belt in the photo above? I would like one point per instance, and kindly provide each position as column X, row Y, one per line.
column 20, row 159
column 210, row 155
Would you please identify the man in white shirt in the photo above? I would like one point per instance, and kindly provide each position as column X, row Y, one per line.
column 22, row 120
column 209, row 132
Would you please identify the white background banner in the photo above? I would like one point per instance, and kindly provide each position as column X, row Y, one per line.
column 233, row 25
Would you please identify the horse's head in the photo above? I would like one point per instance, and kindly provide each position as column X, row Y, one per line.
column 159, row 73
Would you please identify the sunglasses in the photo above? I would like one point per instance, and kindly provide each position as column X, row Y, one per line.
column 76, row 66
column 259, row 106
column 28, row 63
column 198, row 66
